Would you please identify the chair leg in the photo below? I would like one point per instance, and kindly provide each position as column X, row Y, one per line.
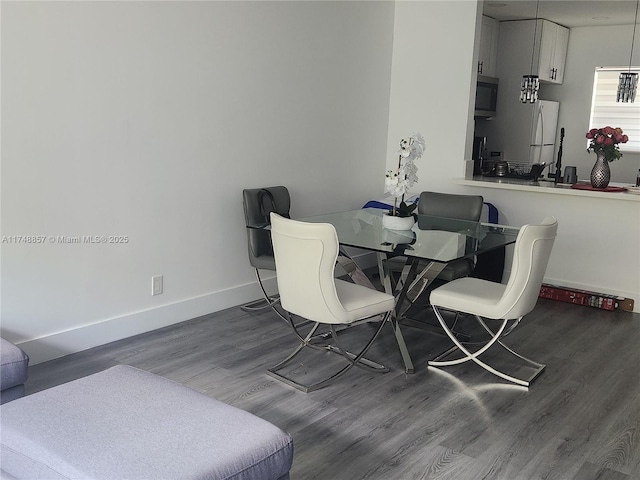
column 473, row 356
column 353, row 359
column 304, row 341
column 265, row 302
column 537, row 365
column 269, row 301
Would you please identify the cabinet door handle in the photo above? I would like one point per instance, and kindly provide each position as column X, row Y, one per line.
column 480, row 68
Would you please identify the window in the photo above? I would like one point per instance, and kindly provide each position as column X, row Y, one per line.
column 606, row 111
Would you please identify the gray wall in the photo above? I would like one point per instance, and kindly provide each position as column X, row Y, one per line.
column 584, row 54
column 146, row 120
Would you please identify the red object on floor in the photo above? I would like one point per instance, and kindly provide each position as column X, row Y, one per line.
column 580, row 297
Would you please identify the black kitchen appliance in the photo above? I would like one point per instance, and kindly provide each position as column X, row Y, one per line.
column 558, row 177
column 479, row 154
column 486, row 97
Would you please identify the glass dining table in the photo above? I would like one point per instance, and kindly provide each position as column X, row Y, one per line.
column 421, row 253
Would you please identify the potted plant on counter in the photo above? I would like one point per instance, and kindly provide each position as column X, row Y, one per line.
column 399, row 181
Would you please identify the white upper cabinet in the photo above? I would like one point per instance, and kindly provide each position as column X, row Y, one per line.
column 487, row 58
column 553, row 52
column 517, row 46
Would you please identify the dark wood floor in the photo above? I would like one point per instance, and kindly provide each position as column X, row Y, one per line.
column 580, row 420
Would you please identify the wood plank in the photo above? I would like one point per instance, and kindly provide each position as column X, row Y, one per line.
column 579, row 420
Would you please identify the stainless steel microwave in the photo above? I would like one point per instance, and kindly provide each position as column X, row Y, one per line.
column 486, row 96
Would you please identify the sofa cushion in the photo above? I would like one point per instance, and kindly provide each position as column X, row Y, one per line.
column 14, row 364
column 124, row 423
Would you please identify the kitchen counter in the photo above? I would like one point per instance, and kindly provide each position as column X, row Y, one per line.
column 597, row 244
column 544, row 187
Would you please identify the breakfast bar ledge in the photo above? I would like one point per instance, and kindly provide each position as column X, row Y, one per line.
column 544, row 187
column 590, row 218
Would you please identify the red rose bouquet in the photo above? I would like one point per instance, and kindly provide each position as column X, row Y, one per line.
column 605, row 140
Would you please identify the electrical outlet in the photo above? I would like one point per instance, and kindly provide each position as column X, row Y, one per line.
column 156, row 285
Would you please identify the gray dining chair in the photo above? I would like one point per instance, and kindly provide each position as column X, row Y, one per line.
column 258, row 203
column 461, row 207
column 504, row 304
column 305, row 255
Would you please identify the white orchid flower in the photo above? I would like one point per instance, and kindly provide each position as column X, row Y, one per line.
column 410, row 171
column 399, row 181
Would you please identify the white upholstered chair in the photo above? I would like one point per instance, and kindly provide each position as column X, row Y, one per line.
column 505, row 303
column 305, row 255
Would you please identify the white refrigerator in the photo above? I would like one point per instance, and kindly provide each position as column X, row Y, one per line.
column 544, row 122
column 525, row 133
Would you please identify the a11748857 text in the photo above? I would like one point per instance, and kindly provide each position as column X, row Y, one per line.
column 64, row 239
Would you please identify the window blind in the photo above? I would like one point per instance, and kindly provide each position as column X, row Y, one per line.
column 606, row 111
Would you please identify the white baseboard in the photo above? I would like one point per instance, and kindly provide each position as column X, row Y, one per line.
column 78, row 339
column 92, row 335
column 63, row 343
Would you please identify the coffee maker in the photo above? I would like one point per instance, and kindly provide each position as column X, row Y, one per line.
column 479, row 154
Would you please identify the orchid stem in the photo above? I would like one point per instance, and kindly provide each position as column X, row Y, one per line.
column 395, row 199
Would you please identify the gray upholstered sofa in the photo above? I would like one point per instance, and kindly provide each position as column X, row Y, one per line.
column 125, row 423
column 14, row 365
